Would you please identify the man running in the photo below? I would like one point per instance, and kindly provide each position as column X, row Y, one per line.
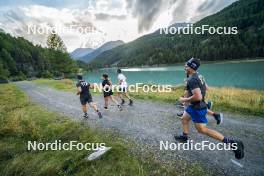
column 108, row 93
column 123, row 88
column 83, row 89
column 197, row 109
column 217, row 116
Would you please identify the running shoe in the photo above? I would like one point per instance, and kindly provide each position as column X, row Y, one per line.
column 100, row 114
column 219, row 118
column 123, row 102
column 179, row 104
column 85, row 116
column 209, row 104
column 181, row 138
column 239, row 152
column 119, row 107
column 180, row 114
column 130, row 102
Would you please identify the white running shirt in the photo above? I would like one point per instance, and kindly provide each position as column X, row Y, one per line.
column 122, row 80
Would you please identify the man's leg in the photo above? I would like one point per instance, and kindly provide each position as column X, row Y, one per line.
column 114, row 100
column 93, row 105
column 218, row 116
column 185, row 122
column 202, row 128
column 127, row 95
column 85, row 108
column 185, row 125
column 119, row 94
column 239, row 152
column 106, row 102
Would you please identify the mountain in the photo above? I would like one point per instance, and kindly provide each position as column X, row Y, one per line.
column 107, row 46
column 80, row 52
column 20, row 59
column 155, row 49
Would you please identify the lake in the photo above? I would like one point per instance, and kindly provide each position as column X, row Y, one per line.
column 248, row 74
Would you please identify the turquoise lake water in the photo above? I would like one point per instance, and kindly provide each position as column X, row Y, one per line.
column 247, row 75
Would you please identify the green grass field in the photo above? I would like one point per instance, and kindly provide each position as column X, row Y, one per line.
column 234, row 100
column 23, row 121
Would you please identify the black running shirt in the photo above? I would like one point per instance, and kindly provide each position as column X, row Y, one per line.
column 193, row 82
column 85, row 86
column 106, row 83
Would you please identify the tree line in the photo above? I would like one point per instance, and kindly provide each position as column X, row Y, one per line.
column 20, row 59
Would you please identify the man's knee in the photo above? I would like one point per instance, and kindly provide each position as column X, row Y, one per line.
column 185, row 118
column 185, row 121
column 201, row 129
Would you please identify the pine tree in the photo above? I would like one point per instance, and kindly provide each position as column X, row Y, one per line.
column 55, row 42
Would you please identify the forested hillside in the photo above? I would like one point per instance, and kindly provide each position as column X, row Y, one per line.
column 20, row 59
column 155, row 49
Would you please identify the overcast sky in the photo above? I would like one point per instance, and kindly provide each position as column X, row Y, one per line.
column 110, row 19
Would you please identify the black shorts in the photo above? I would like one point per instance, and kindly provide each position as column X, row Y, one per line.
column 108, row 93
column 86, row 99
column 122, row 89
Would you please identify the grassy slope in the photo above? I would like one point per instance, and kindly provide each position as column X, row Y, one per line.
column 241, row 101
column 21, row 121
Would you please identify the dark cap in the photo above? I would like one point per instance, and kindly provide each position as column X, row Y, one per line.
column 105, row 76
column 79, row 77
column 193, row 63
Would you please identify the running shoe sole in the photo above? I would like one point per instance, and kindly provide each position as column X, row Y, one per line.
column 221, row 119
column 240, row 145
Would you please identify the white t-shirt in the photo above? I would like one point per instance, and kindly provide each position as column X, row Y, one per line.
column 122, row 80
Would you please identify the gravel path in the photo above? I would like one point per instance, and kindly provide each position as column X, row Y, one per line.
column 147, row 123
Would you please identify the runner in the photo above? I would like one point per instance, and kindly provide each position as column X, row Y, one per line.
column 123, row 88
column 108, row 93
column 217, row 116
column 85, row 96
column 197, row 110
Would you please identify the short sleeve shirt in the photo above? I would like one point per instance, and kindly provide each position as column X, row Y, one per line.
column 193, row 82
column 122, row 78
column 85, row 86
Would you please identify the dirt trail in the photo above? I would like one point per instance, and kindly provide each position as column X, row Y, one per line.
column 147, row 123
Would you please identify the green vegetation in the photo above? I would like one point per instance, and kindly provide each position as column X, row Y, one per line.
column 155, row 49
column 22, row 121
column 20, row 59
column 56, row 43
column 234, row 100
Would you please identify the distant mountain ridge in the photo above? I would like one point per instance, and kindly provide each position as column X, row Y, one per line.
column 80, row 52
column 94, row 53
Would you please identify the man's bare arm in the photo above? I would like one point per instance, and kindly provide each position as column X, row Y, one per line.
column 197, row 96
column 79, row 90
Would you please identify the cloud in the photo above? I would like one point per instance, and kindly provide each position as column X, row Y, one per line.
column 196, row 10
column 21, row 19
column 110, row 19
column 104, row 16
column 147, row 12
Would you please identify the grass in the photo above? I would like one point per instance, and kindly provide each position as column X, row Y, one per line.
column 22, row 121
column 228, row 99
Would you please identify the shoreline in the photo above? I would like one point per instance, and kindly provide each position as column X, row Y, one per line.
column 182, row 63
